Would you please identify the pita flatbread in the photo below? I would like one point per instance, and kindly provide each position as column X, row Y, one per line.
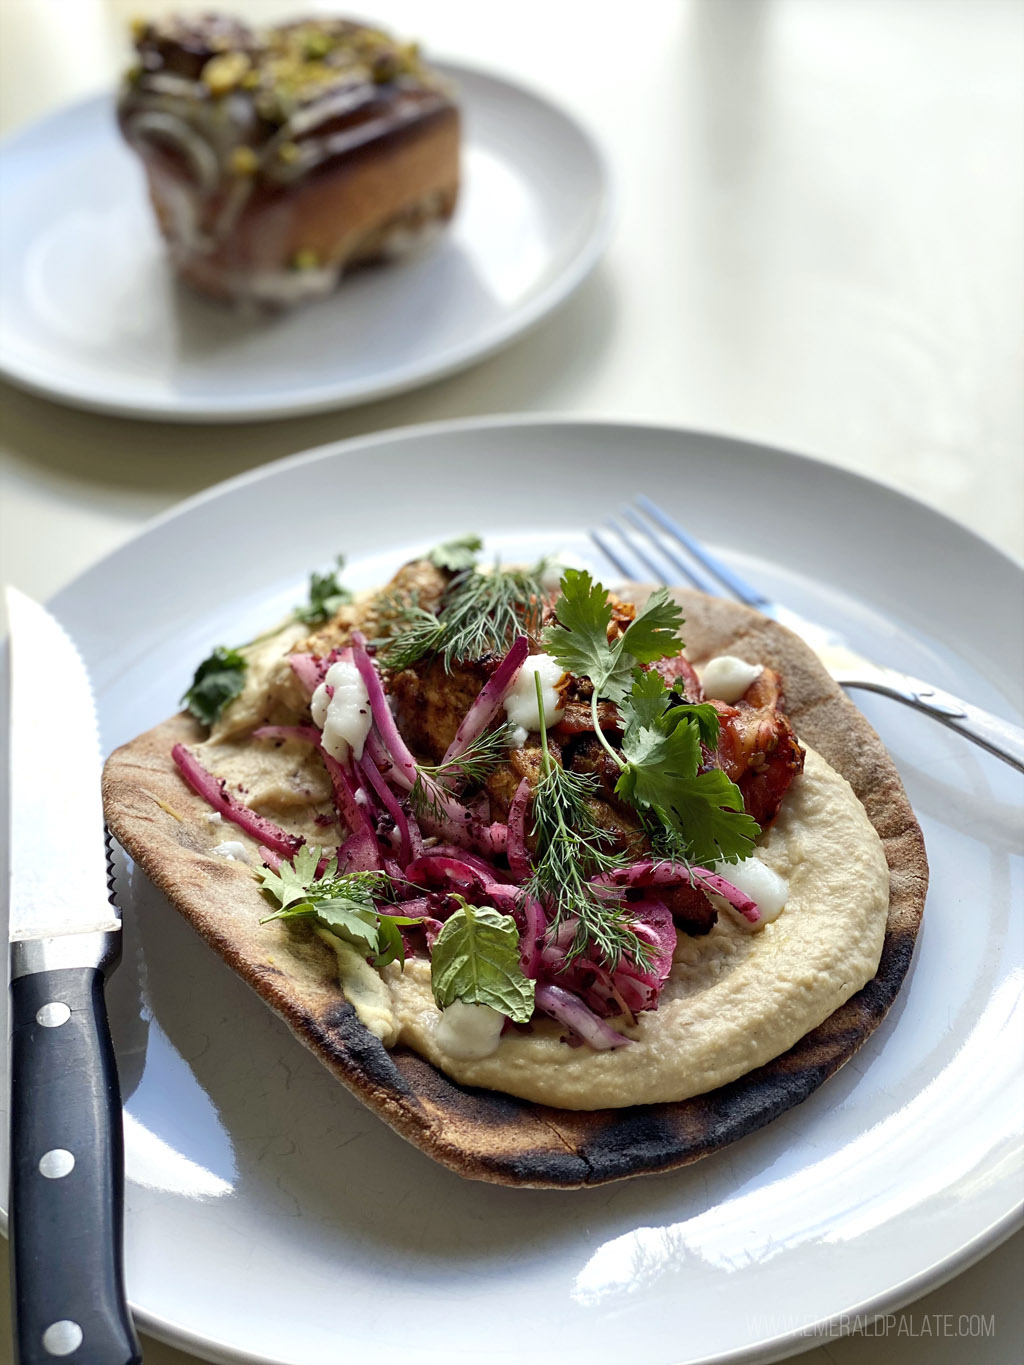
column 481, row 1134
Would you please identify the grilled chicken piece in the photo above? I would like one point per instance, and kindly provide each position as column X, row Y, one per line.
column 757, row 748
column 431, row 701
column 503, row 783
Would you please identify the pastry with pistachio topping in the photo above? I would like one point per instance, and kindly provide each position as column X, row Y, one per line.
column 278, row 159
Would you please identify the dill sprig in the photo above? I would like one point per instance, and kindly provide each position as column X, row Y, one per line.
column 483, row 612
column 479, row 613
column 478, row 760
column 414, row 631
column 476, row 763
column 572, row 848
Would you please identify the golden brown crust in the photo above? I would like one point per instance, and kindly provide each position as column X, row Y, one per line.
column 490, row 1136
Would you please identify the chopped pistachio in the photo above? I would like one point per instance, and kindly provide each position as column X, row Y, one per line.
column 385, row 66
column 138, row 27
column 244, row 161
column 305, row 259
column 222, row 73
column 316, row 44
column 250, row 80
column 289, row 152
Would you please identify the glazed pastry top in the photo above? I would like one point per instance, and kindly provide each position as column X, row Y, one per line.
column 275, row 103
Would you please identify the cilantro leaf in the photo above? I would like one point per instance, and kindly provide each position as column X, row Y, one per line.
column 456, row 554
column 704, row 715
column 292, row 880
column 351, row 919
column 647, row 699
column 707, row 811
column 343, row 903
column 661, row 744
column 475, row 958
column 579, row 642
column 218, row 680
column 326, row 595
column 654, row 634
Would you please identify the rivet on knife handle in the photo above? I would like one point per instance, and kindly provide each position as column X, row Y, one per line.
column 66, row 1174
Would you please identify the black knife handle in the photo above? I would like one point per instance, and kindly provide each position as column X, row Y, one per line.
column 66, row 1218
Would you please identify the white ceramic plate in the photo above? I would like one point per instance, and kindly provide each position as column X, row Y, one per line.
column 90, row 313
column 271, row 1218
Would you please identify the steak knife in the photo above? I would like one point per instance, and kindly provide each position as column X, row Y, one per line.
column 67, row 1159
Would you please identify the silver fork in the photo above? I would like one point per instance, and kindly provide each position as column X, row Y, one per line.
column 657, row 540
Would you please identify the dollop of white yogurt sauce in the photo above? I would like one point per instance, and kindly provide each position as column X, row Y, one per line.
column 467, row 1031
column 726, row 678
column 345, row 717
column 521, row 699
column 762, row 884
column 232, row 850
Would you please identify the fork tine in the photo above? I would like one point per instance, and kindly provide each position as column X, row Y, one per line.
column 655, row 569
column 736, row 585
column 609, row 554
column 680, row 565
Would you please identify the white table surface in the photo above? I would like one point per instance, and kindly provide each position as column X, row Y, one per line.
column 818, row 247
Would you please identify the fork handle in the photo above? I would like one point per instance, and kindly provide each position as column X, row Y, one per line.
column 998, row 736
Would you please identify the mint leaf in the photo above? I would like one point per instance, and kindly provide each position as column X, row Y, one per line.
column 579, row 642
column 475, row 958
column 456, row 554
column 218, row 680
column 326, row 595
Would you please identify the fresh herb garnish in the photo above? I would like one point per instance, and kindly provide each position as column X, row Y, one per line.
column 476, row 762
column 344, row 903
column 415, row 632
column 579, row 641
column 475, row 958
column 483, row 612
column 218, row 680
column 661, row 755
column 456, row 554
column 326, row 595
column 479, row 613
column 572, row 847
column 662, row 736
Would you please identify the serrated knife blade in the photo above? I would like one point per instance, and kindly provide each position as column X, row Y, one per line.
column 58, row 870
column 67, row 1157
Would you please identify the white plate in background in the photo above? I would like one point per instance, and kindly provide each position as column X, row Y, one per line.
column 271, row 1218
column 91, row 314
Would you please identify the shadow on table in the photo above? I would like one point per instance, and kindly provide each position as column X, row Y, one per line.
column 544, row 370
